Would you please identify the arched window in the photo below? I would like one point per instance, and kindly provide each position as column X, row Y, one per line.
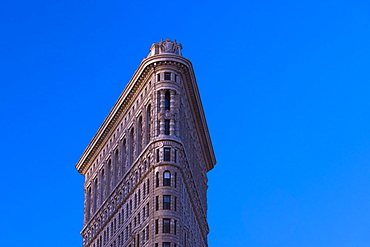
column 139, row 134
column 132, row 141
column 148, row 123
column 88, row 203
column 102, row 187
column 124, row 153
column 166, row 178
column 109, row 175
column 167, row 100
column 117, row 166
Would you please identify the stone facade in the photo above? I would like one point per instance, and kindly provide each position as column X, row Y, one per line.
column 145, row 169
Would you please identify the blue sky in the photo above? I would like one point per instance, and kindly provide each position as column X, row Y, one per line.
column 285, row 88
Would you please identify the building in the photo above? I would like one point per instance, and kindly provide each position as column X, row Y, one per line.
column 146, row 168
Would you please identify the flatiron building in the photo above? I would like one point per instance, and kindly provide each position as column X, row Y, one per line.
column 146, row 167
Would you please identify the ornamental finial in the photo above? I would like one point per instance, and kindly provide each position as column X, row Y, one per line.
column 165, row 46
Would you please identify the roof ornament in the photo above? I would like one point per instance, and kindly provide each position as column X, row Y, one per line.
column 165, row 46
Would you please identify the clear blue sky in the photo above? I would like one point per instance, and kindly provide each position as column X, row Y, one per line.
column 285, row 88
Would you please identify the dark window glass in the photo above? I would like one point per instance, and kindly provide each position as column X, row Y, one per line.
column 157, row 179
column 175, row 178
column 156, row 226
column 166, row 202
column 167, row 179
column 175, row 158
column 167, row 75
column 166, row 127
column 166, row 244
column 167, row 98
column 156, row 203
column 175, row 204
column 175, row 227
column 175, row 77
column 158, row 77
column 157, row 155
column 167, row 154
column 166, row 225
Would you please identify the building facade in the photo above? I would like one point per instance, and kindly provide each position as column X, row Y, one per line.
column 146, row 168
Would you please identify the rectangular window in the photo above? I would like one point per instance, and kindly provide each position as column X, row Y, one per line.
column 175, row 204
column 166, row 127
column 157, row 155
column 166, row 202
column 158, row 77
column 175, row 158
column 167, row 154
column 156, row 226
column 166, row 244
column 156, row 203
column 175, row 227
column 166, row 178
column 175, row 77
column 167, row 76
column 175, row 183
column 166, row 225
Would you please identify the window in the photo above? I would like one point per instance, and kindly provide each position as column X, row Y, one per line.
column 167, row 154
column 175, row 227
column 156, row 202
column 175, row 204
column 175, row 77
column 175, row 158
column 147, row 186
column 144, row 190
column 166, row 202
column 157, row 155
column 167, row 75
column 167, row 98
column 157, row 179
column 175, row 178
column 166, row 244
column 158, row 77
column 148, row 123
column 156, row 226
column 166, row 127
column 166, row 225
column 166, row 178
